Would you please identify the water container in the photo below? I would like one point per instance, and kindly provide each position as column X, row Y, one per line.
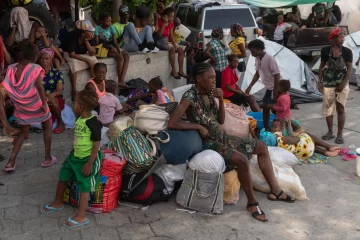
column 183, row 31
column 358, row 162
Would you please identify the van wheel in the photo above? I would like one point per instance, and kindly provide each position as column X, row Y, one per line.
column 37, row 14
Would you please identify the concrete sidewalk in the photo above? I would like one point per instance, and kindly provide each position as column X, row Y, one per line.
column 331, row 213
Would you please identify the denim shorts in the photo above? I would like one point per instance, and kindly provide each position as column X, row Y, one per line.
column 268, row 97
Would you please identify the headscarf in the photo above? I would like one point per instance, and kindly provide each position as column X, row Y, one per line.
column 217, row 32
column 20, row 17
column 48, row 51
column 335, row 33
column 238, row 30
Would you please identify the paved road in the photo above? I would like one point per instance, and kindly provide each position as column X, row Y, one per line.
column 331, row 213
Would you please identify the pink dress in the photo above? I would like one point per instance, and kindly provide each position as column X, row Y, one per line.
column 24, row 94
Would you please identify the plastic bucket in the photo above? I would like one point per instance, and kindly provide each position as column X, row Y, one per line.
column 183, row 31
column 258, row 116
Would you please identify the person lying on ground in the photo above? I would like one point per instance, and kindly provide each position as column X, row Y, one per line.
column 165, row 28
column 97, row 84
column 303, row 145
column 139, row 36
column 41, row 40
column 334, row 74
column 232, row 90
column 105, row 34
column 198, row 103
column 84, row 161
column 29, row 101
column 53, row 83
column 80, row 51
column 110, row 105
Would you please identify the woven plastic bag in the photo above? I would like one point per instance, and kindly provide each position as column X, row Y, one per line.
column 236, row 122
column 231, row 188
column 105, row 198
column 285, row 176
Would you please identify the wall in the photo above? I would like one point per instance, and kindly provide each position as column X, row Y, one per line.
column 145, row 66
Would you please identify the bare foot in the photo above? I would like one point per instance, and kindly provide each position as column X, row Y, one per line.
column 76, row 219
column 332, row 154
column 47, row 161
column 334, row 148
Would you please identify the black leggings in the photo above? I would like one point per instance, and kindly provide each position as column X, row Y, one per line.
column 239, row 99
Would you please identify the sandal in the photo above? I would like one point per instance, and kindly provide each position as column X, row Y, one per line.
column 51, row 209
column 339, row 140
column 53, row 161
column 258, row 213
column 176, row 77
column 76, row 224
column 288, row 199
column 182, row 75
column 10, row 169
column 59, row 130
column 328, row 137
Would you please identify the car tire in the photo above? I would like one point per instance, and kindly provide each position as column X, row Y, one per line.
column 36, row 13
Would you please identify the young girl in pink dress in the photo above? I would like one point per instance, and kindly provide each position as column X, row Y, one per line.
column 23, row 82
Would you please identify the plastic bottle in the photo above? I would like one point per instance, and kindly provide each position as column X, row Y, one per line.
column 358, row 162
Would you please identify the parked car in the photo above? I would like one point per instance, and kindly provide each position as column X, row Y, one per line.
column 201, row 21
column 302, row 41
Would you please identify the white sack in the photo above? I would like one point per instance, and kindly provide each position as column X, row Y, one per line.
column 208, row 161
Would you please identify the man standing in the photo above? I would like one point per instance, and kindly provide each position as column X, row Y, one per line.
column 269, row 72
column 334, row 82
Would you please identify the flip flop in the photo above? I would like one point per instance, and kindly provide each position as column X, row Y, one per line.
column 344, row 151
column 53, row 161
column 10, row 169
column 176, row 77
column 328, row 137
column 182, row 75
column 76, row 224
column 349, row 157
column 52, row 209
column 58, row 131
column 339, row 140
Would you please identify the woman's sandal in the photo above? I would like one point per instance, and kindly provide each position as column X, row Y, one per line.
column 258, row 213
column 182, row 75
column 277, row 197
column 176, row 77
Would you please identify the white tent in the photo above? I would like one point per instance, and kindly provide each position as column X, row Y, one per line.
column 352, row 41
column 303, row 81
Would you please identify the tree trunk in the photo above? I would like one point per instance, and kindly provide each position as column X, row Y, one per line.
column 115, row 10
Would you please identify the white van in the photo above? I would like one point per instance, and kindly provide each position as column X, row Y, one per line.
column 201, row 21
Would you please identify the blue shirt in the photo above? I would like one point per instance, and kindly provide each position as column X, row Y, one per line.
column 105, row 34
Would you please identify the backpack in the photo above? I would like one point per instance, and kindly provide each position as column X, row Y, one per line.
column 135, row 149
column 151, row 190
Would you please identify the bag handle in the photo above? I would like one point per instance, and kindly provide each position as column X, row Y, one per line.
column 153, row 145
column 196, row 185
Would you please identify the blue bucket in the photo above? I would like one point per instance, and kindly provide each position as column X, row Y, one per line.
column 258, row 116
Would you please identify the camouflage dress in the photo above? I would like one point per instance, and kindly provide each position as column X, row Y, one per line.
column 218, row 140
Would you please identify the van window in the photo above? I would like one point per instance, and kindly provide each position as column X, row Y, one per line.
column 192, row 18
column 225, row 17
column 181, row 14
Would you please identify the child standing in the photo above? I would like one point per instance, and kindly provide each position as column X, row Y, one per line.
column 28, row 97
column 109, row 104
column 97, row 84
column 282, row 107
column 105, row 34
column 42, row 41
column 84, row 161
column 281, row 28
